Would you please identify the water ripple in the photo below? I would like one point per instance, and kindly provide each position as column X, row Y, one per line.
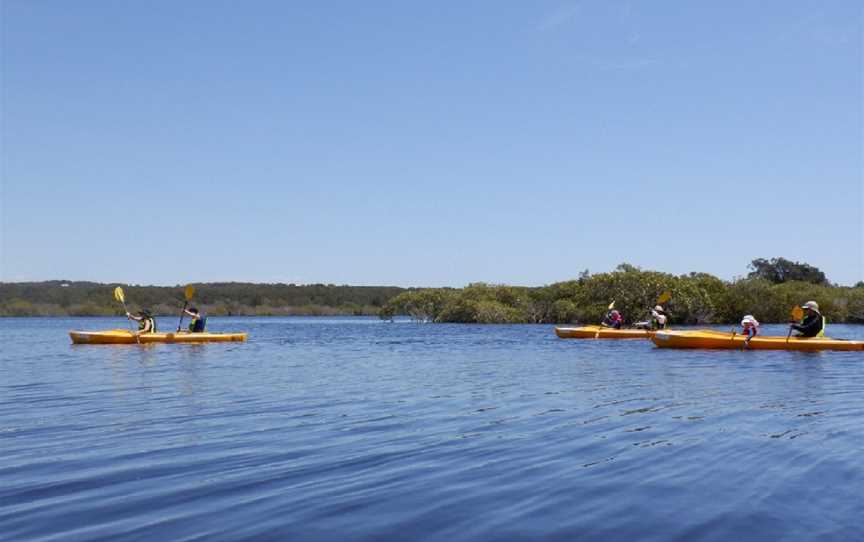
column 346, row 428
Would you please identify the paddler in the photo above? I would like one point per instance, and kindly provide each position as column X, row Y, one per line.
column 146, row 321
column 749, row 328
column 199, row 321
column 813, row 324
column 658, row 318
column 613, row 319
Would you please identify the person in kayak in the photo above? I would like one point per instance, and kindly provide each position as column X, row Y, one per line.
column 658, row 318
column 199, row 321
column 749, row 328
column 613, row 319
column 146, row 321
column 813, row 324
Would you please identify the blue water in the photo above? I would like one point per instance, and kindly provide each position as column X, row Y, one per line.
column 353, row 429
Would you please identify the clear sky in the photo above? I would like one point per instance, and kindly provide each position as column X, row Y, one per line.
column 428, row 143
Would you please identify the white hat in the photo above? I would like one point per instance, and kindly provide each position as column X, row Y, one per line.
column 749, row 319
column 658, row 308
column 812, row 305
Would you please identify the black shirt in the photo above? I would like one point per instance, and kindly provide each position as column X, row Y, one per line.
column 810, row 326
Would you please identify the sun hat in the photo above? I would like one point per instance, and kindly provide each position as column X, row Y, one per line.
column 812, row 305
column 749, row 320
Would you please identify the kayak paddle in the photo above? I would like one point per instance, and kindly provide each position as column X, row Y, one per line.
column 797, row 314
column 187, row 293
column 121, row 297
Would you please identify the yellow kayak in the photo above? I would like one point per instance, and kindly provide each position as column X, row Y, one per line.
column 600, row 332
column 124, row 336
column 706, row 338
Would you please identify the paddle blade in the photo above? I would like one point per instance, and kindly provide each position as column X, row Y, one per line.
column 118, row 295
column 189, row 292
column 611, row 305
column 664, row 297
column 797, row 313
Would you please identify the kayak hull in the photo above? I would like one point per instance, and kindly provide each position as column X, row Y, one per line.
column 709, row 339
column 600, row 332
column 124, row 336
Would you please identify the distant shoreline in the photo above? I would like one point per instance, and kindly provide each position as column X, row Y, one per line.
column 70, row 298
column 768, row 293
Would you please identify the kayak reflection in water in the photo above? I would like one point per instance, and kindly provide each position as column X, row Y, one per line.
column 749, row 328
column 612, row 319
column 813, row 324
column 146, row 321
column 199, row 321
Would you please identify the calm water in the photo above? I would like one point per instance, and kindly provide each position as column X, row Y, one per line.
column 361, row 430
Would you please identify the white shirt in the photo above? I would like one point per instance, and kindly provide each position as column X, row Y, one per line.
column 661, row 318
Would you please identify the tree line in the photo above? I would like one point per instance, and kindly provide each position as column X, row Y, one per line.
column 769, row 292
column 67, row 298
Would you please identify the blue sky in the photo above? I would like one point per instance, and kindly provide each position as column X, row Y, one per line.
column 434, row 143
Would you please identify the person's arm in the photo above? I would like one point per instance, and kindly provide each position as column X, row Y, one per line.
column 808, row 326
column 133, row 317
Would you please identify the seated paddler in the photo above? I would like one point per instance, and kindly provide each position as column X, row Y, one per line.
column 612, row 319
column 749, row 327
column 199, row 321
column 146, row 321
column 813, row 323
column 659, row 318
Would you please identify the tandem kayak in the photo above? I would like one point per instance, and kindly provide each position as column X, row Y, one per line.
column 600, row 332
column 706, row 338
column 124, row 336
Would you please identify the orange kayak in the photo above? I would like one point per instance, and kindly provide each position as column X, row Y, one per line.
column 706, row 338
column 124, row 336
column 600, row 332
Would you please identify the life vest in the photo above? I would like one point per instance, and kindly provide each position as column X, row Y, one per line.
column 197, row 324
column 143, row 324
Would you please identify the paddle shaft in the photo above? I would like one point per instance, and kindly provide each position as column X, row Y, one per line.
column 180, row 323
column 132, row 322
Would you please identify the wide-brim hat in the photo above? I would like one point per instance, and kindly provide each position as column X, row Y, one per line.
column 812, row 305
